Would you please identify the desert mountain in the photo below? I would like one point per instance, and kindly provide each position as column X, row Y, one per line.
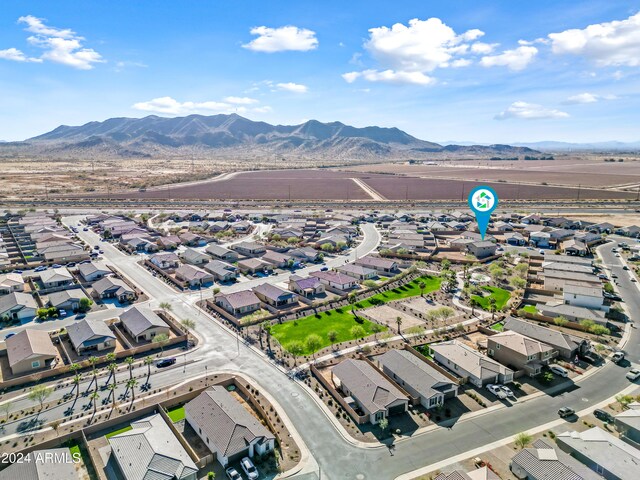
column 200, row 135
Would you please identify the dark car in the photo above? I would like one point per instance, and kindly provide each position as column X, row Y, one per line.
column 324, row 269
column 565, row 412
column 165, row 362
column 602, row 415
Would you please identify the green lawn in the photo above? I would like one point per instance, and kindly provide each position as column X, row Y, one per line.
column 410, row 289
column 341, row 320
column 498, row 327
column 530, row 309
column 116, row 432
column 176, row 413
column 500, row 294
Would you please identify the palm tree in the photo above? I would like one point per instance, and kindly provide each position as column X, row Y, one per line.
column 421, row 286
column 130, row 361
column 74, row 367
column 266, row 326
column 165, row 306
column 148, row 361
column 492, row 307
column 474, row 303
column 188, row 325
column 112, row 393
column 399, row 323
column 110, row 356
column 76, row 381
column 112, row 367
column 161, row 339
column 132, row 385
column 93, row 361
column 94, row 400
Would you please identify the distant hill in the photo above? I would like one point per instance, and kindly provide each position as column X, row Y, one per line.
column 200, row 135
column 611, row 146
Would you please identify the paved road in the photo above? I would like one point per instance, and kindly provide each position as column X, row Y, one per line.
column 220, row 353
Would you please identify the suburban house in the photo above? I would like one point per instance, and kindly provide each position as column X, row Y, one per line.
column 515, row 238
column 518, row 352
column 540, row 239
column 482, row 473
column 468, row 363
column 585, row 296
column 306, row 254
column 165, row 260
column 222, row 253
column 549, row 265
column 566, row 345
column 482, row 249
column 221, row 271
column 92, row 271
column 111, row 287
column 18, row 306
column 336, row 280
column 369, row 389
column 193, row 276
column 543, row 461
column 226, row 427
column 30, row 350
column 194, row 257
column 45, row 464
column 56, row 278
column 11, row 282
column 143, row 324
column 150, row 450
column 358, row 271
column 574, row 246
column 556, row 279
column 571, row 313
column 277, row 259
column 381, row 265
column 89, row 335
column 191, row 239
column 68, row 300
column 254, row 265
column 602, row 452
column 307, row 287
column 238, row 303
column 249, row 249
column 417, row 377
column 627, row 423
column 170, row 242
column 274, row 295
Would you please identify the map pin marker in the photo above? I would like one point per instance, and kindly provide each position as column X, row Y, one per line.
column 482, row 201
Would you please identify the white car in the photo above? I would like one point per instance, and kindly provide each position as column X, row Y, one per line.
column 633, row 374
column 497, row 391
column 558, row 370
column 233, row 474
column 249, row 468
column 507, row 391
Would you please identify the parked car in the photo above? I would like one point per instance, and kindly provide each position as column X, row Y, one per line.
column 324, row 269
column 507, row 390
column 249, row 468
column 71, row 265
column 96, row 247
column 625, row 267
column 80, row 316
column 101, row 252
column 612, row 296
column 633, row 374
column 56, row 265
column 541, row 252
column 9, row 335
column 497, row 391
column 232, row 474
column 62, row 313
column 85, row 229
column 602, row 415
column 617, row 357
column 165, row 362
column 18, row 271
column 41, row 268
column 558, row 370
column 565, row 412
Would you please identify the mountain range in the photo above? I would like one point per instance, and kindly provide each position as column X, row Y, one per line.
column 229, row 135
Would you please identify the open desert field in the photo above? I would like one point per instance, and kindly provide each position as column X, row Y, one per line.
column 324, row 184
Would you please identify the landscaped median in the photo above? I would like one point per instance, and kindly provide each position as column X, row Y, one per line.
column 340, row 324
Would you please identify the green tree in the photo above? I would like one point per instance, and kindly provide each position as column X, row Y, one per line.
column 76, row 381
column 165, row 306
column 112, row 393
column 332, row 336
column 493, row 307
column 132, row 384
column 188, row 325
column 313, row 343
column 161, row 339
column 523, row 439
column 376, row 328
column 560, row 321
column 421, row 286
column 517, row 282
column 148, row 361
column 357, row 332
column 267, row 328
column 39, row 394
column 211, row 476
column 92, row 361
column 296, row 349
column 85, row 304
column 474, row 303
column 6, row 408
column 399, row 323
column 94, row 400
column 384, row 424
column 130, row 361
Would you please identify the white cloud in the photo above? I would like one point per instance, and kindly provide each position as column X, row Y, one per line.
column 461, row 62
column 586, row 97
column 516, row 59
column 171, row 106
column 292, row 87
column 390, row 76
column 529, row 111
column 615, row 43
column 282, row 39
column 240, row 100
column 62, row 46
column 483, row 48
column 17, row 56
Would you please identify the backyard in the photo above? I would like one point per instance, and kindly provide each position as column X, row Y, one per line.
column 176, row 413
column 500, row 295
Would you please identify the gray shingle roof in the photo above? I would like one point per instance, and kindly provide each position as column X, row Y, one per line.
column 477, row 364
column 140, row 319
column 29, row 343
column 15, row 299
column 543, row 334
column 49, row 464
column 373, row 391
column 547, row 463
column 150, row 451
column 87, row 332
column 228, row 425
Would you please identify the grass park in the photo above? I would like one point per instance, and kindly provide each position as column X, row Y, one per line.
column 500, row 295
column 341, row 320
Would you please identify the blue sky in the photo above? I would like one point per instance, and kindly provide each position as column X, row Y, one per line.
column 490, row 71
